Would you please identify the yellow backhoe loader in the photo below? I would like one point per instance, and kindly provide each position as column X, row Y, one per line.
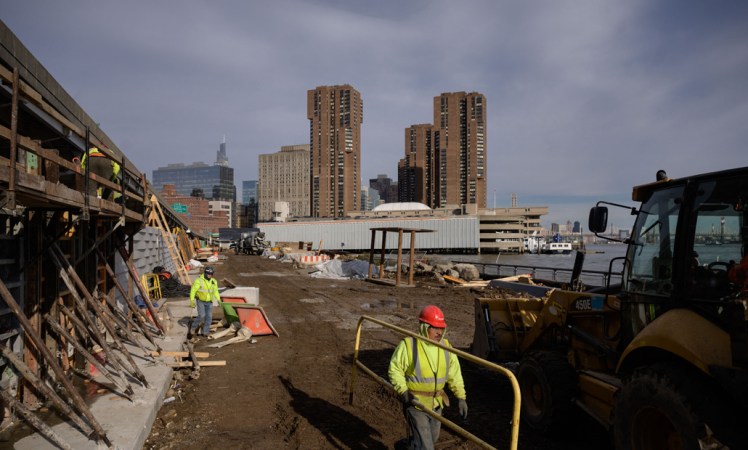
column 661, row 359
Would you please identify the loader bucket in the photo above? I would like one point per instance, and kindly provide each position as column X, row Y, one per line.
column 501, row 324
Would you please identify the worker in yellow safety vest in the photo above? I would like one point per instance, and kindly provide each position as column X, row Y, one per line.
column 203, row 295
column 102, row 166
column 418, row 371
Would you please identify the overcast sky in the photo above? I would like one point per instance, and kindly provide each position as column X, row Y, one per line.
column 585, row 98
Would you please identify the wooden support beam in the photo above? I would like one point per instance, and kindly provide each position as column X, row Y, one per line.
column 92, row 329
column 34, row 421
column 99, row 310
column 180, row 354
column 78, row 401
column 45, row 390
column 61, row 332
column 143, row 292
column 11, row 194
column 142, row 324
column 202, row 364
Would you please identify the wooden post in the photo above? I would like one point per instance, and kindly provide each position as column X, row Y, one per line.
column 412, row 257
column 32, row 302
column 381, row 260
column 399, row 256
column 371, row 252
column 13, row 141
column 52, row 362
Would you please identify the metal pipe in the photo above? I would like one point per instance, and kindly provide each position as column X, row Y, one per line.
column 451, row 425
column 467, row 356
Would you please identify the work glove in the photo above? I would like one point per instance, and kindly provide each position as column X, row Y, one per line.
column 462, row 405
column 408, row 399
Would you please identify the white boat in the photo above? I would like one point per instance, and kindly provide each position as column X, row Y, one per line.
column 558, row 248
column 534, row 243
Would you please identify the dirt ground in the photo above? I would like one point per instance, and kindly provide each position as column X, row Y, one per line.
column 292, row 391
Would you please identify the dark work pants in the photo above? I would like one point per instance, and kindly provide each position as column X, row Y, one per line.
column 102, row 167
column 424, row 430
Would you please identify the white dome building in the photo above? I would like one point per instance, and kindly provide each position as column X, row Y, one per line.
column 401, row 206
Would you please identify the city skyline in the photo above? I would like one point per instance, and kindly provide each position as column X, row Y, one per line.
column 587, row 98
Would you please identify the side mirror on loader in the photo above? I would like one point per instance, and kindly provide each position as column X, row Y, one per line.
column 598, row 221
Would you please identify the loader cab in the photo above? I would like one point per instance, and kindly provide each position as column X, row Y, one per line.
column 688, row 240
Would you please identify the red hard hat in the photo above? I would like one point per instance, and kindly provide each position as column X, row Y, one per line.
column 433, row 316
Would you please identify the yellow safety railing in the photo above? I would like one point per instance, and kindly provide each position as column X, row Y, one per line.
column 467, row 356
column 152, row 285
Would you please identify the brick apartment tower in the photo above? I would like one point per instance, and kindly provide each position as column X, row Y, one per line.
column 445, row 163
column 335, row 115
column 415, row 172
column 460, row 149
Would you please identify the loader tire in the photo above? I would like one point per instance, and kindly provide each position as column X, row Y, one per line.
column 667, row 406
column 548, row 384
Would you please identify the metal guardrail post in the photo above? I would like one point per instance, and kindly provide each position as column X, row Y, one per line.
column 467, row 356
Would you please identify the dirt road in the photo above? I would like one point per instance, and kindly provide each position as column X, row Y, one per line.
column 292, row 391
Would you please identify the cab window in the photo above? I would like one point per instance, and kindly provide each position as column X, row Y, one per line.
column 651, row 255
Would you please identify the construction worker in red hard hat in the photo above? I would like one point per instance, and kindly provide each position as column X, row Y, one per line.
column 418, row 371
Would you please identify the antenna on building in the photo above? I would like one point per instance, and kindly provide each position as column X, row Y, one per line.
column 221, row 158
column 514, row 199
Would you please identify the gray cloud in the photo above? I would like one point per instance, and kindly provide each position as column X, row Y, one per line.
column 585, row 98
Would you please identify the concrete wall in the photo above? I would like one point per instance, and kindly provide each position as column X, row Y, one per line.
column 149, row 251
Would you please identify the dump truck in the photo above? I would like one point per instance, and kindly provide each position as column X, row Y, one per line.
column 659, row 359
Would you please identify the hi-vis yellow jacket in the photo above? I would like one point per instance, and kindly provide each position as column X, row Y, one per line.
column 424, row 369
column 94, row 152
column 205, row 290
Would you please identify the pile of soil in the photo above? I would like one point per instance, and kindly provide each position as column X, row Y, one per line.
column 292, row 391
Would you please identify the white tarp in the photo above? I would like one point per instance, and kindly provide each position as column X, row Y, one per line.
column 343, row 270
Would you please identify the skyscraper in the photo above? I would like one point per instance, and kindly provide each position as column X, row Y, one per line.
column 445, row 163
column 460, row 149
column 335, row 115
column 415, row 172
column 284, row 177
column 386, row 187
column 214, row 182
column 221, row 158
